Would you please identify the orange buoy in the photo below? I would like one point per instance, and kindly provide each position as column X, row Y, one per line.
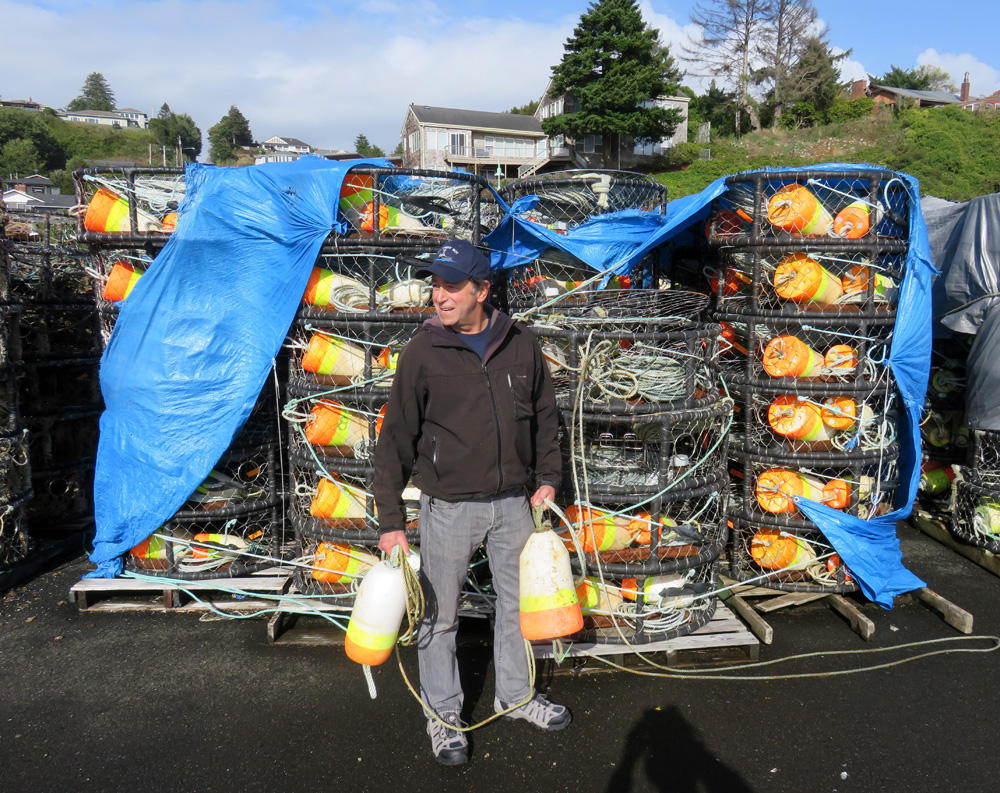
column 777, row 488
column 796, row 210
column 837, row 494
column 841, row 359
column 323, row 285
column 153, row 547
column 548, row 605
column 355, row 192
column 788, row 356
column 338, row 562
column 204, row 552
column 107, row 212
column 839, row 412
column 797, row 419
column 333, row 424
column 855, row 282
column 170, row 222
column 597, row 598
column 378, row 610
column 334, row 357
column 834, row 563
column 729, row 334
column 121, row 281
column 773, row 549
column 601, row 531
column 853, row 221
column 334, row 501
column 727, row 223
column 802, row 279
column 731, row 281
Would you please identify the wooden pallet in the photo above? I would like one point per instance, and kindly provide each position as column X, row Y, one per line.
column 134, row 595
column 935, row 528
column 723, row 636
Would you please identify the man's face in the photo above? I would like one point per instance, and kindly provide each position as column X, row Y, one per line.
column 459, row 305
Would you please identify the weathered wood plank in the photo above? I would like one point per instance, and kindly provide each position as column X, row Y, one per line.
column 860, row 624
column 958, row 618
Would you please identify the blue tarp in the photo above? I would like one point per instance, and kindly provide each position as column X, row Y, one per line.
column 870, row 549
column 195, row 341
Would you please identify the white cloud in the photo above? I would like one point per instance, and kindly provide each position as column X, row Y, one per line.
column 322, row 76
column 984, row 78
column 850, row 69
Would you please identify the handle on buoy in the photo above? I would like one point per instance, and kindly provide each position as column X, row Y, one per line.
column 536, row 514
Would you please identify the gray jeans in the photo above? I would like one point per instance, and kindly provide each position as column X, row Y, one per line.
column 450, row 532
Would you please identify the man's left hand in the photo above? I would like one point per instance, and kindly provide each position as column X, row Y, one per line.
column 543, row 494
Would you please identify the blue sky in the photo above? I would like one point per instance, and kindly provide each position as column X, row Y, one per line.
column 325, row 71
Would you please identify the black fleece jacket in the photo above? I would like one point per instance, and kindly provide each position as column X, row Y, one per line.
column 466, row 428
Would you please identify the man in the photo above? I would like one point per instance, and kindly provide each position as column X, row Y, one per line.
column 472, row 415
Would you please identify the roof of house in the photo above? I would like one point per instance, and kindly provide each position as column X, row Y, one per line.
column 941, row 97
column 129, row 110
column 481, row 119
column 295, row 142
column 33, row 179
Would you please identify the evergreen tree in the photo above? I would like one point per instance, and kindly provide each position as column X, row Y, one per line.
column 169, row 128
column 32, row 146
column 527, row 109
column 719, row 108
column 913, row 79
column 612, row 67
column 230, row 132
column 95, row 94
column 366, row 149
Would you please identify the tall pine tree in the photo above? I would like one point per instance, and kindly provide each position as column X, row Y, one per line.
column 231, row 131
column 613, row 65
column 96, row 94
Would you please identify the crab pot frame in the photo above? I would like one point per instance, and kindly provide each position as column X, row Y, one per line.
column 59, row 331
column 975, row 516
column 59, row 386
column 635, row 457
column 569, row 198
column 10, row 397
column 862, row 484
column 62, row 496
column 10, row 334
column 854, row 284
column 38, row 228
column 847, row 422
column 796, row 573
column 15, row 539
column 15, row 465
column 645, row 621
column 983, row 466
column 62, row 438
column 548, row 278
column 355, row 479
column 812, row 202
column 368, row 345
column 411, row 205
column 356, row 414
column 153, row 190
column 46, row 274
column 690, row 531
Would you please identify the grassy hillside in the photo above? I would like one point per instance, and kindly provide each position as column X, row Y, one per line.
column 954, row 153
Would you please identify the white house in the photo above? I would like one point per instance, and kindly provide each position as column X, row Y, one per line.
column 126, row 117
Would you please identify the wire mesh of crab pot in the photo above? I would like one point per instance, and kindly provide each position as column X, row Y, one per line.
column 815, row 424
column 127, row 205
column 642, row 456
column 769, row 554
column 639, row 610
column 629, row 536
column 975, row 516
column 15, row 465
column 842, row 208
column 349, row 352
column 766, row 487
column 983, row 465
column 15, row 537
column 41, row 228
column 326, row 422
column 605, row 368
column 46, row 274
column 569, row 198
column 805, row 281
column 406, row 205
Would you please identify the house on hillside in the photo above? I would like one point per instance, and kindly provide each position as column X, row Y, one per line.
column 515, row 145
column 20, row 104
column 475, row 140
column 888, row 96
column 279, row 149
column 34, row 192
column 135, row 118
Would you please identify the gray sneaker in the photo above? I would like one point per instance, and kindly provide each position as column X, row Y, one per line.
column 450, row 747
column 538, row 711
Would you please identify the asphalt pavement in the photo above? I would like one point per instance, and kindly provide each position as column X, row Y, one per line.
column 171, row 702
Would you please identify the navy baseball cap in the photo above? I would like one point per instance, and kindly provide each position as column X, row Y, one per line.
column 457, row 260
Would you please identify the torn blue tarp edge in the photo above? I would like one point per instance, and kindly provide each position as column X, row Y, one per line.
column 289, row 187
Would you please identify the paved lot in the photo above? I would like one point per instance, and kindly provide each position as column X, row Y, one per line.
column 166, row 702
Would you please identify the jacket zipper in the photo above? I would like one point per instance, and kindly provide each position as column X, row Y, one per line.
column 496, row 426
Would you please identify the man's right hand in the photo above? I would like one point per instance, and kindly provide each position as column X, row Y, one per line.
column 391, row 539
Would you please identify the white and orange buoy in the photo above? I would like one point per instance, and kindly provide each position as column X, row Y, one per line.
column 797, row 419
column 801, row 279
column 600, row 531
column 796, row 210
column 336, row 427
column 777, row 489
column 549, row 607
column 324, row 286
column 107, row 213
column 335, row 358
column 340, row 563
column 853, row 221
column 596, row 597
column 334, row 501
column 378, row 611
column 773, row 549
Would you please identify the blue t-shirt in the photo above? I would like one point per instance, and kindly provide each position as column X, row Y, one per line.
column 476, row 341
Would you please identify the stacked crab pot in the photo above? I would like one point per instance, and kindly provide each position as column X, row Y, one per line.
column 362, row 304
column 53, row 355
column 808, row 265
column 230, row 525
column 975, row 517
column 644, row 422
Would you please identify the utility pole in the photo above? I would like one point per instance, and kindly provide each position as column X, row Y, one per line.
column 179, row 152
column 164, row 148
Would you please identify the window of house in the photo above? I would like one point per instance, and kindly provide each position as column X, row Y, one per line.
column 591, row 144
column 647, row 147
column 413, row 141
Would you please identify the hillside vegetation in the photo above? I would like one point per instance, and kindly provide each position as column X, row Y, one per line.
column 953, row 152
